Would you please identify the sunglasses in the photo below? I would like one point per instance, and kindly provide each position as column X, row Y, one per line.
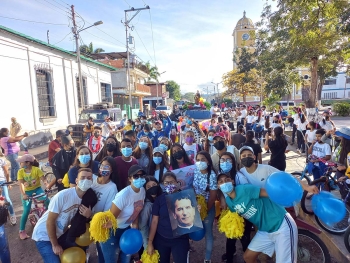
column 137, row 176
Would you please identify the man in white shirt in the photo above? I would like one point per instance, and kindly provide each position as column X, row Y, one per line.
column 95, row 142
column 214, row 109
column 53, row 224
column 106, row 128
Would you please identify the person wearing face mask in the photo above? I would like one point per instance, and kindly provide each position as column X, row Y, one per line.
column 191, row 146
column 126, row 207
column 159, row 164
column 161, row 234
column 221, row 146
column 153, row 190
column 95, row 142
column 89, row 128
column 29, row 177
column 178, row 157
column 278, row 146
column 205, row 184
column 209, row 142
column 49, row 232
column 148, row 133
column 162, row 132
column 131, row 135
column 277, row 230
column 165, row 144
column 124, row 163
column 63, row 160
column 111, row 148
column 83, row 159
column 186, row 128
column 143, row 152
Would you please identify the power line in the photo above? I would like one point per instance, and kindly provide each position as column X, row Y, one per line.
column 31, row 21
column 59, row 12
column 57, row 6
column 61, row 4
column 102, row 38
column 127, row 3
column 62, row 39
column 144, row 46
column 154, row 51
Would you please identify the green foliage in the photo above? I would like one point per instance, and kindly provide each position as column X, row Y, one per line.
column 87, row 50
column 207, row 105
column 342, row 109
column 174, row 90
column 153, row 72
column 188, row 96
column 271, row 101
column 226, row 100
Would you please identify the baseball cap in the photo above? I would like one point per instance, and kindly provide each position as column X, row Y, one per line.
column 66, row 139
column 158, row 150
column 246, row 148
column 59, row 133
column 343, row 132
column 134, row 169
column 26, row 158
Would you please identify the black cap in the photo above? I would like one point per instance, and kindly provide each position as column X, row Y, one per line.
column 59, row 133
column 134, row 169
column 66, row 139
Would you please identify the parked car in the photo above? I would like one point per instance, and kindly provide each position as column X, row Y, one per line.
column 167, row 109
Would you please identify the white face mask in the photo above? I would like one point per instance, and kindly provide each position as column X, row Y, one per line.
column 84, row 185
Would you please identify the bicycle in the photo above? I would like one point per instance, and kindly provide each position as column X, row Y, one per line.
column 38, row 208
column 48, row 174
column 327, row 182
column 6, row 203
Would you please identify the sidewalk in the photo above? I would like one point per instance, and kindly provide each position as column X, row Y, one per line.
column 39, row 153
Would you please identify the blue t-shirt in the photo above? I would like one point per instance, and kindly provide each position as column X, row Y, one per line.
column 73, row 172
column 160, row 209
column 260, row 211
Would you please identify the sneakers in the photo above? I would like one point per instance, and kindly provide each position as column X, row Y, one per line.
column 23, row 235
column 207, row 261
column 13, row 220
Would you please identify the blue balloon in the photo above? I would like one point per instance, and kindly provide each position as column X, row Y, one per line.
column 283, row 189
column 198, row 235
column 131, row 241
column 328, row 208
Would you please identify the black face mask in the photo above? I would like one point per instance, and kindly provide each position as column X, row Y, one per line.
column 96, row 134
column 179, row 155
column 248, row 161
column 219, row 145
column 111, row 147
column 154, row 190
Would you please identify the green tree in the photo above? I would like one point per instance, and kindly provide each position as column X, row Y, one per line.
column 301, row 33
column 174, row 90
column 188, row 96
column 86, row 50
column 153, row 72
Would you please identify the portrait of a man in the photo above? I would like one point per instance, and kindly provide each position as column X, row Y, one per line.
column 183, row 212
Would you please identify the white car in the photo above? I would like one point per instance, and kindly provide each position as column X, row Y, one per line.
column 167, row 109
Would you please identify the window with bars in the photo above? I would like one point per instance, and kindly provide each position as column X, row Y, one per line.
column 86, row 98
column 347, row 80
column 330, row 82
column 106, row 92
column 46, row 95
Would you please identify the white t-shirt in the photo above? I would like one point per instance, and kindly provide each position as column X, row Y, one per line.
column 65, row 203
column 105, row 129
column 191, row 150
column 243, row 114
column 156, row 173
column 130, row 203
column 105, row 195
column 213, row 110
column 258, row 178
column 2, row 174
column 321, row 149
column 301, row 126
column 250, row 118
column 328, row 126
column 311, row 135
column 94, row 143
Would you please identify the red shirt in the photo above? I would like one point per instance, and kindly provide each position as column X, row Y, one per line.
column 123, row 169
column 52, row 149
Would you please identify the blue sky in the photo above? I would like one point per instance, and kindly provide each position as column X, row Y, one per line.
column 192, row 38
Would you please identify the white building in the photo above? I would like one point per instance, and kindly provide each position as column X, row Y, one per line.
column 39, row 81
column 337, row 87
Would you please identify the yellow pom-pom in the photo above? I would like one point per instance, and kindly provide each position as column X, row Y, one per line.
column 98, row 226
column 231, row 224
column 145, row 258
column 203, row 204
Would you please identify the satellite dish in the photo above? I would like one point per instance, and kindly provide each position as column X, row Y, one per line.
column 306, row 76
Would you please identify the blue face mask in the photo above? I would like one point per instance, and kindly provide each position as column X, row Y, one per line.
column 105, row 172
column 226, row 188
column 146, row 133
column 84, row 159
column 201, row 165
column 189, row 122
column 143, row 145
column 138, row 183
column 126, row 151
column 157, row 160
column 226, row 167
column 211, row 138
column 163, row 147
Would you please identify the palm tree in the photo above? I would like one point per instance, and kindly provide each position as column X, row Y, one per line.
column 153, row 72
column 86, row 50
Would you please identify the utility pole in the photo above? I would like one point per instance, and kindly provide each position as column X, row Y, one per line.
column 217, row 87
column 126, row 23
column 48, row 38
column 76, row 36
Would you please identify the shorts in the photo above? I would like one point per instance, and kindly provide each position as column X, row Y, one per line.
column 284, row 241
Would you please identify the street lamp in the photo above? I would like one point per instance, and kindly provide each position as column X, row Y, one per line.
column 157, row 87
column 76, row 36
column 217, row 87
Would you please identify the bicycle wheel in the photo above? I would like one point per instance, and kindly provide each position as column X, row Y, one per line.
column 49, row 177
column 299, row 175
column 305, row 202
column 347, row 239
column 338, row 228
column 311, row 248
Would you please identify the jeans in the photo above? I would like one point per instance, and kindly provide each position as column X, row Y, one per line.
column 100, row 253
column 111, row 249
column 12, row 158
column 5, row 193
column 46, row 252
column 248, row 126
column 178, row 247
column 245, row 240
column 208, row 226
column 294, row 132
column 5, row 256
column 27, row 206
column 301, row 140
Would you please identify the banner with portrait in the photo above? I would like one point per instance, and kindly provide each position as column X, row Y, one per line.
column 183, row 212
column 185, row 176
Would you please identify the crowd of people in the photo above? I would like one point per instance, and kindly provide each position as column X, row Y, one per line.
column 132, row 176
